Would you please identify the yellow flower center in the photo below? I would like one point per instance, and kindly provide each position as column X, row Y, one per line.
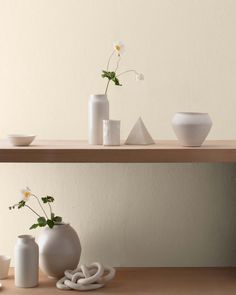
column 117, row 47
column 26, row 195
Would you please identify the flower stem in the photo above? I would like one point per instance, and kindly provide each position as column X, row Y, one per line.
column 32, row 210
column 50, row 208
column 109, row 60
column 127, row 72
column 40, row 206
column 117, row 64
column 107, row 86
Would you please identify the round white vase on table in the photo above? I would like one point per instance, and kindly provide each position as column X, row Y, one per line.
column 26, row 262
column 98, row 110
column 191, row 128
column 59, row 249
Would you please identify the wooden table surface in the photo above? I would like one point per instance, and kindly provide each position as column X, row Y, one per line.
column 75, row 151
column 146, row 281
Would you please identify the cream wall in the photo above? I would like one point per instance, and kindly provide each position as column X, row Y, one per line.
column 51, row 56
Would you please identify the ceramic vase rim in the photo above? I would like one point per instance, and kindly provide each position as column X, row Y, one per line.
column 26, row 237
column 99, row 94
column 192, row 113
column 59, row 225
column 111, row 121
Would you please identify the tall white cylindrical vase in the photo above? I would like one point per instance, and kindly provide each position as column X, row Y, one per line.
column 98, row 110
column 26, row 262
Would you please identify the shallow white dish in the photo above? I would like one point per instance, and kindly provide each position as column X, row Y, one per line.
column 20, row 139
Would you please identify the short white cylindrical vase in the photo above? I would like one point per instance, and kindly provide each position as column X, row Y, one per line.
column 4, row 266
column 111, row 132
column 26, row 262
column 191, row 129
column 98, row 110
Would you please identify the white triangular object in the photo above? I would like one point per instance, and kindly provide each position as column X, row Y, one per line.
column 139, row 134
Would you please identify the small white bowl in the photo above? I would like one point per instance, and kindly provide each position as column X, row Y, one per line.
column 191, row 129
column 21, row 139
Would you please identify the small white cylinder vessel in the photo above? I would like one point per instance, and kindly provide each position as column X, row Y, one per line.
column 191, row 129
column 26, row 262
column 111, row 132
column 98, row 110
column 4, row 266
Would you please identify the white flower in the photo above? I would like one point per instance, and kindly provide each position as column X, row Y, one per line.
column 139, row 77
column 119, row 47
column 26, row 193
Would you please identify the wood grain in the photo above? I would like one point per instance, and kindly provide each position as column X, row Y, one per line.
column 145, row 281
column 73, row 151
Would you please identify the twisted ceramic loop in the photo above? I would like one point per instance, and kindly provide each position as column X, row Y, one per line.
column 85, row 277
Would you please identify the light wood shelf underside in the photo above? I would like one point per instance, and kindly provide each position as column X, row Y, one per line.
column 74, row 151
column 147, row 281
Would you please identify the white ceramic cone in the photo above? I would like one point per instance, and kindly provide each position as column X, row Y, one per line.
column 139, row 134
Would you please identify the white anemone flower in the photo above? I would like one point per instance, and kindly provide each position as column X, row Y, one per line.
column 139, row 77
column 119, row 47
column 26, row 194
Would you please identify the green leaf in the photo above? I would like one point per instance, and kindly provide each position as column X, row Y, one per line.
column 34, row 226
column 57, row 219
column 52, row 216
column 50, row 223
column 21, row 204
column 47, row 199
column 104, row 74
column 112, row 75
column 42, row 221
column 116, row 81
column 50, row 199
column 109, row 75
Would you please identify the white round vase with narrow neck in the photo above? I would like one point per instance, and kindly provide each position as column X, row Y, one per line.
column 26, row 262
column 59, row 250
column 191, row 129
column 98, row 110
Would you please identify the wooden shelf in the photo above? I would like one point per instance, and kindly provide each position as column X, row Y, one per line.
column 129, row 281
column 72, row 151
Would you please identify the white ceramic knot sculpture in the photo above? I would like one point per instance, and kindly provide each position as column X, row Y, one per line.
column 84, row 278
